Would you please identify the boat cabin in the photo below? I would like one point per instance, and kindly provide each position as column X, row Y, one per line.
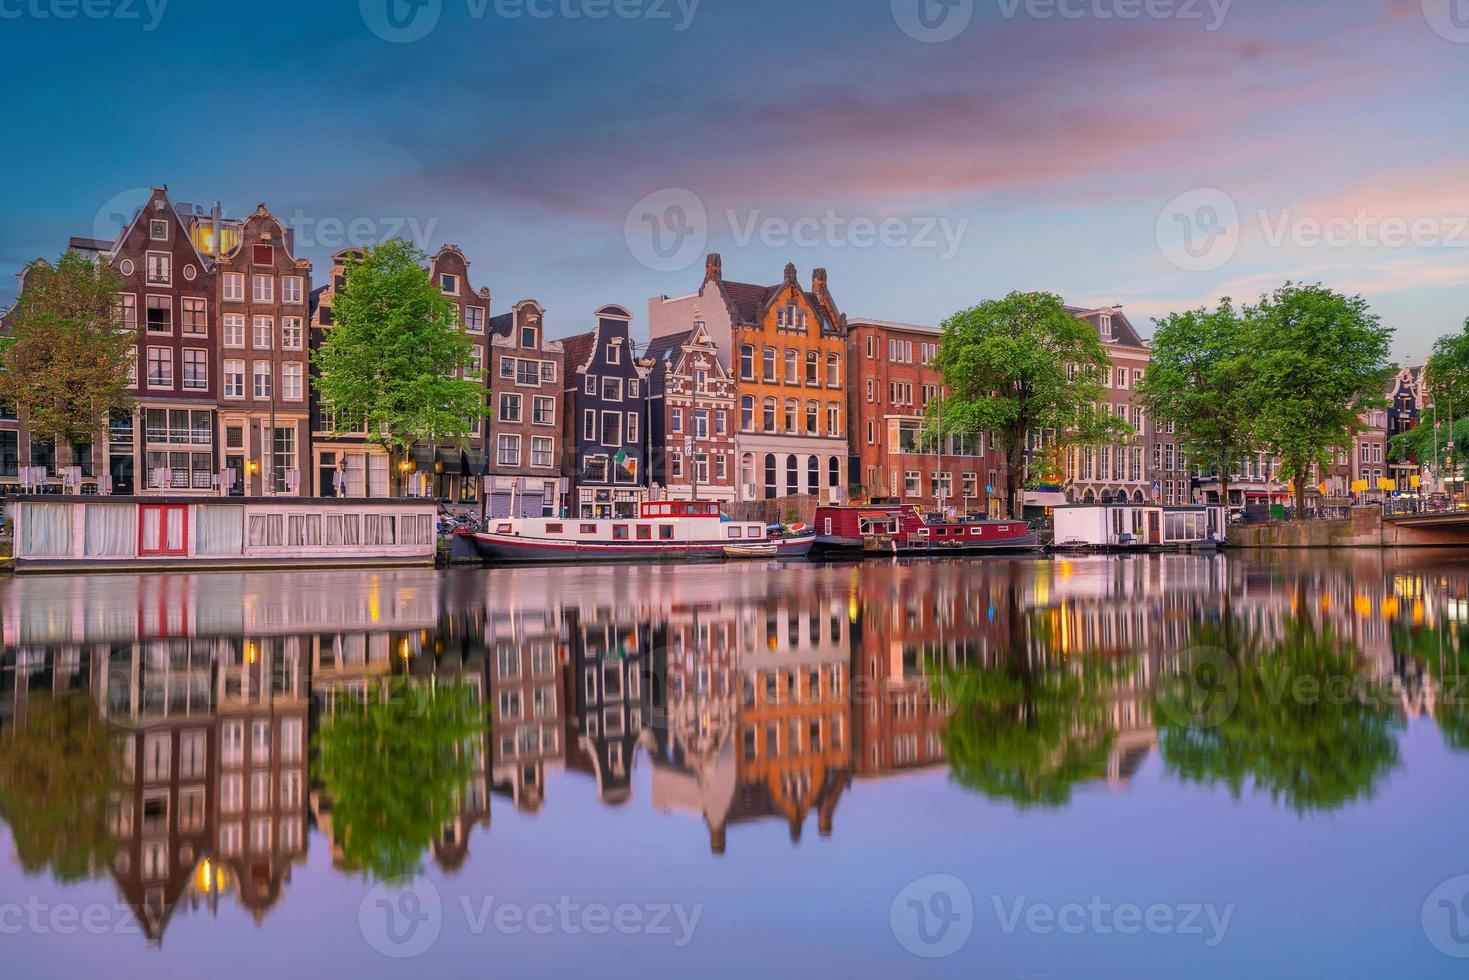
column 681, row 508
column 1127, row 525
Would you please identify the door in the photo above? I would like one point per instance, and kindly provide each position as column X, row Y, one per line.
column 236, row 467
column 1155, row 534
column 163, row 529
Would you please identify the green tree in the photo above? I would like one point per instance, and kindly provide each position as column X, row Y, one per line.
column 1305, row 725
column 1319, row 361
column 58, row 767
column 1023, row 365
column 1446, row 432
column 393, row 767
column 1197, row 379
column 396, row 361
column 66, row 355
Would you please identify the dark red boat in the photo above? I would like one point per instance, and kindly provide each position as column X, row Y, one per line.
column 902, row 529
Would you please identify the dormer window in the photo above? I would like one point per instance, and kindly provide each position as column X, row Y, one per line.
column 262, row 254
column 449, row 284
column 614, row 354
column 158, row 230
column 528, row 338
column 1106, row 326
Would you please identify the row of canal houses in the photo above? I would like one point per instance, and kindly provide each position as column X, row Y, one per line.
column 743, row 392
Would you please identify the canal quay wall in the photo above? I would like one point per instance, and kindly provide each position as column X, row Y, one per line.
column 1365, row 528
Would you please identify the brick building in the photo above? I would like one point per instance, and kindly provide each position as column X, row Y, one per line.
column 440, row 465
column 604, row 420
column 1122, row 468
column 526, row 375
column 691, row 417
column 894, row 383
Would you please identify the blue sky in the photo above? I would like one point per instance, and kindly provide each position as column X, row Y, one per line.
column 1080, row 146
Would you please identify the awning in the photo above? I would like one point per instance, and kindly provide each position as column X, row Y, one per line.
column 426, row 456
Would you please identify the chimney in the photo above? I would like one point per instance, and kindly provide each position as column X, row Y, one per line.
column 790, row 273
column 818, row 280
column 713, row 267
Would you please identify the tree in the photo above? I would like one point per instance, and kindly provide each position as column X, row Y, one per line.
column 394, row 766
column 65, row 362
column 1023, row 365
column 395, row 361
column 58, row 766
column 1319, row 361
column 1197, row 378
column 1446, row 379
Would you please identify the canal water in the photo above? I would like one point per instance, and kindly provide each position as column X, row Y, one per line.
column 1131, row 767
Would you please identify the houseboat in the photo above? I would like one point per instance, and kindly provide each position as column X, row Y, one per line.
column 902, row 529
column 668, row 530
column 1130, row 526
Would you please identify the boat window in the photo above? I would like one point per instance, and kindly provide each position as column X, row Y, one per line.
column 645, row 532
column 976, row 531
column 665, row 532
column 589, row 529
column 555, row 529
column 757, row 532
column 619, row 532
column 736, row 532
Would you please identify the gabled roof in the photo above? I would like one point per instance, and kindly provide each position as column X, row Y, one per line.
column 579, row 350
column 503, row 324
column 1124, row 333
column 666, row 348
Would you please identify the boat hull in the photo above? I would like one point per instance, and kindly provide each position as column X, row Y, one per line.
column 784, row 548
column 497, row 547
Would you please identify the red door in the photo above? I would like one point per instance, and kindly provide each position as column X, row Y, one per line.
column 1155, row 535
column 163, row 529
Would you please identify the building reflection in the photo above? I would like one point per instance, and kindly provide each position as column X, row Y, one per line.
column 761, row 695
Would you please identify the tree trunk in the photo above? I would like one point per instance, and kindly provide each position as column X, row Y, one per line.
column 1014, row 461
column 1300, row 483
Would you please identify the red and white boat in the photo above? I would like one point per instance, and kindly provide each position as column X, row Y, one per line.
column 669, row 530
column 902, row 529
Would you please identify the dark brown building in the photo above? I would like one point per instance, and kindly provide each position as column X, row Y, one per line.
column 526, row 372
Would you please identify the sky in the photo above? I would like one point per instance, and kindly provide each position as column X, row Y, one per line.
column 930, row 154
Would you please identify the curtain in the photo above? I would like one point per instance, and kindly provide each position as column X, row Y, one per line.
column 220, row 530
column 333, row 529
column 152, row 521
column 175, row 517
column 257, row 530
column 46, row 531
column 111, row 530
column 350, row 533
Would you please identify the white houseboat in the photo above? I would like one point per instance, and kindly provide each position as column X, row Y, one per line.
column 1130, row 526
column 666, row 530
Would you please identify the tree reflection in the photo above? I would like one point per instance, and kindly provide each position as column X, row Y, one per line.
column 1307, row 726
column 57, row 773
column 392, row 764
column 1442, row 654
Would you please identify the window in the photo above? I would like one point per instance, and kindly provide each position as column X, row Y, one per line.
column 721, row 422
column 160, row 314
column 813, row 368
column 262, row 254
column 193, row 315
column 528, row 337
column 234, row 330
column 234, row 287
column 632, row 387
column 509, row 407
column 591, row 385
column 234, row 379
column 507, row 451
column 589, row 425
column 262, row 379
column 543, row 410
column 264, row 334
column 632, row 427
column 833, row 371
column 158, row 230
column 196, row 369
column 747, row 363
column 292, row 289
column 160, row 269
column 793, row 367
column 768, row 413
column 474, row 319
column 612, row 389
column 160, row 367
column 701, row 424
column 747, row 413
column 614, row 353
column 262, row 288
column 611, row 429
column 291, row 375
column 127, row 310
column 449, row 284
column 833, row 419
column 291, row 333
column 769, row 363
column 541, row 451
column 675, row 419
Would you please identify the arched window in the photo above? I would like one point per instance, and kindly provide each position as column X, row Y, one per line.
column 747, row 413
column 813, row 412
column 813, row 475
column 769, row 415
column 747, row 362
column 813, row 368
column 772, row 490
column 834, row 472
column 833, row 419
column 793, row 476
column 747, row 470
column 833, row 371
column 769, row 363
column 793, row 367
column 790, row 419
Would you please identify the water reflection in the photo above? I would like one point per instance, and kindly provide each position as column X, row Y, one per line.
column 186, row 735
